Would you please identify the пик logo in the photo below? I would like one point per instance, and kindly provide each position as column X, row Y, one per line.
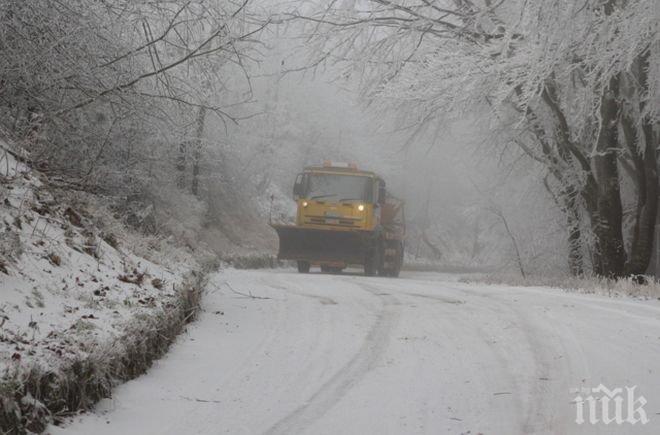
column 609, row 406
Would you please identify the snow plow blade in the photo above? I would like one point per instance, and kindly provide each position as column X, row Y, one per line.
column 316, row 245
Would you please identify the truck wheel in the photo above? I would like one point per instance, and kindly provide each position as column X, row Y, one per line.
column 392, row 258
column 399, row 260
column 370, row 267
column 303, row 266
column 372, row 263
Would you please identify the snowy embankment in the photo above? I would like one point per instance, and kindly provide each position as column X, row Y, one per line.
column 79, row 311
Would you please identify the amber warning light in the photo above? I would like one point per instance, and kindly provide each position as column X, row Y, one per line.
column 329, row 163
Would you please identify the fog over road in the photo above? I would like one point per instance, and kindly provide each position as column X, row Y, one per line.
column 282, row 353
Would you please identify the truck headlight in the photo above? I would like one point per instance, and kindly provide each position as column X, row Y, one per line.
column 304, row 204
column 361, row 207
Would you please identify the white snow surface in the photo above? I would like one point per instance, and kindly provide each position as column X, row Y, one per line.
column 286, row 353
column 65, row 292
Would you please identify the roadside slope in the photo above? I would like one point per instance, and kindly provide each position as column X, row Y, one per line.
column 79, row 310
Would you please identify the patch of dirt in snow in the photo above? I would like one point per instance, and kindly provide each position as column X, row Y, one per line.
column 66, row 287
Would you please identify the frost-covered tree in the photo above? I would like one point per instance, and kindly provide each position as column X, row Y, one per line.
column 577, row 82
column 88, row 85
column 119, row 96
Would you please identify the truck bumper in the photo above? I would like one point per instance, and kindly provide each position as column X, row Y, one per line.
column 315, row 245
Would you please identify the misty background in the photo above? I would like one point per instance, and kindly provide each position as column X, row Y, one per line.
column 193, row 118
column 454, row 180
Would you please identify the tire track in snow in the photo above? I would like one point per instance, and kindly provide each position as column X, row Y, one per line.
column 332, row 391
column 536, row 342
column 542, row 340
column 288, row 290
column 539, row 342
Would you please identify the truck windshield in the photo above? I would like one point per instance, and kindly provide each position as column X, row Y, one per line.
column 339, row 188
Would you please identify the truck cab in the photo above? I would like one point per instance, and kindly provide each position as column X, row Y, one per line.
column 338, row 197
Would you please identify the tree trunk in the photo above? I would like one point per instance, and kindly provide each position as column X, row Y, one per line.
column 197, row 153
column 609, row 215
column 575, row 261
column 500, row 214
column 559, row 165
column 647, row 196
column 567, row 203
column 652, row 142
column 181, row 164
column 654, row 267
column 476, row 244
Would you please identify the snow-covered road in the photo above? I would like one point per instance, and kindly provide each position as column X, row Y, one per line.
column 325, row 354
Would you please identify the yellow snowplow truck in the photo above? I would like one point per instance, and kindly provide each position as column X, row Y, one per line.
column 345, row 217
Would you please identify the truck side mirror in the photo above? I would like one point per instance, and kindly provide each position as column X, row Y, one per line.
column 382, row 193
column 298, row 188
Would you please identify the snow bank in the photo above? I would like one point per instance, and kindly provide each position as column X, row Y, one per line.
column 79, row 311
column 424, row 264
column 636, row 287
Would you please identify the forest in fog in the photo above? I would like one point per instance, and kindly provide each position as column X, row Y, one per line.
column 522, row 135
